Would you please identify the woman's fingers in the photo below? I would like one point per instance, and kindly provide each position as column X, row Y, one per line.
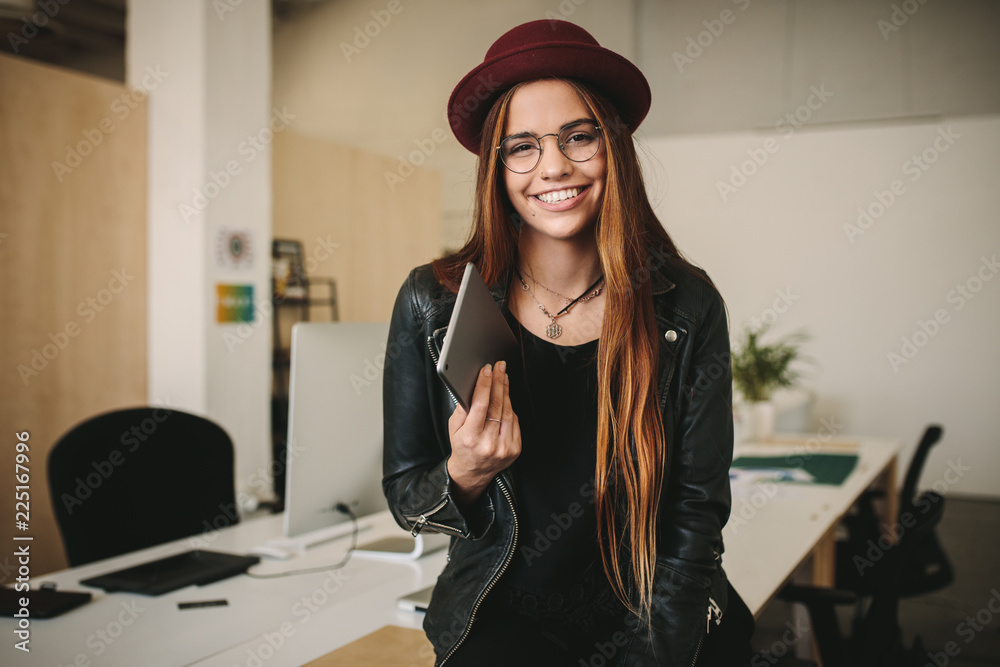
column 481, row 396
column 497, row 393
column 506, row 411
column 510, row 430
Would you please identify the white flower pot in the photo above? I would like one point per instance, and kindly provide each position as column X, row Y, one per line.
column 760, row 421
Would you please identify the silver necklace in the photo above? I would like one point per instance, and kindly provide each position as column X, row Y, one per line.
column 553, row 330
column 580, row 299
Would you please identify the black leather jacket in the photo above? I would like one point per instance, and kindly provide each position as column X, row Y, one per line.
column 695, row 390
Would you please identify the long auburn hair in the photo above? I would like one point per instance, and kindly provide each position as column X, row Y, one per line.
column 632, row 448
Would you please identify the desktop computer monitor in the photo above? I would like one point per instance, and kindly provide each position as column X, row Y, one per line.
column 334, row 427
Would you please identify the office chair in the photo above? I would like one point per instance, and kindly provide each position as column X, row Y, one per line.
column 130, row 479
column 876, row 638
column 928, row 568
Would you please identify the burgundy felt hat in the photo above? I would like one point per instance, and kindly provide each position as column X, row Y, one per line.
column 540, row 49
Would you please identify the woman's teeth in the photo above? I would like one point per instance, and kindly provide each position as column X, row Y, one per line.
column 558, row 195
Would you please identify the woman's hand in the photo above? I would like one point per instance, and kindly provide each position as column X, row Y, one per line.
column 486, row 439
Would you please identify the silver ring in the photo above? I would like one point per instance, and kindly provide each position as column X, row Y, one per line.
column 491, row 419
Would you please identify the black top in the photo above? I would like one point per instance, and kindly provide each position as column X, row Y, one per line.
column 556, row 574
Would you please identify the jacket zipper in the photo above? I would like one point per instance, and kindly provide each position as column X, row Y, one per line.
column 697, row 650
column 434, row 358
column 503, row 568
column 513, row 543
column 422, row 520
column 713, row 610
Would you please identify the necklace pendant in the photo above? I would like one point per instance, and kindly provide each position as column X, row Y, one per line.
column 553, row 330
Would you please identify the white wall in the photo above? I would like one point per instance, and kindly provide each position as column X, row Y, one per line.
column 786, row 247
column 725, row 65
column 204, row 178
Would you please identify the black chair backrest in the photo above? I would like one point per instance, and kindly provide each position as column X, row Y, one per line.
column 134, row 478
column 931, row 436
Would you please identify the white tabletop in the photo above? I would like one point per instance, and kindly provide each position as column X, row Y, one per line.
column 774, row 526
column 292, row 620
column 274, row 622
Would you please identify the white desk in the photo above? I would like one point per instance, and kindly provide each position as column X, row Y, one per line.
column 318, row 612
column 776, row 528
column 291, row 621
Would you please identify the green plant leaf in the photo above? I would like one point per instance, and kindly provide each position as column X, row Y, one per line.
column 758, row 370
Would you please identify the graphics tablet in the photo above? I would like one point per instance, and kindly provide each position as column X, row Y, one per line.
column 477, row 335
column 169, row 574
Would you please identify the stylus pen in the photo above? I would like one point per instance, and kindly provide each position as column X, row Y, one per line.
column 202, row 603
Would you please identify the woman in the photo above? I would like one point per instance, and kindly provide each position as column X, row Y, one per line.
column 586, row 488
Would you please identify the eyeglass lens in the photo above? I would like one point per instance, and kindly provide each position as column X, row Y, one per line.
column 578, row 142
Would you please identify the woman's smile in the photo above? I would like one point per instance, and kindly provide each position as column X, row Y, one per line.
column 561, row 199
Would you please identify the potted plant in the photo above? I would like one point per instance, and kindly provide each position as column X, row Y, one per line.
column 758, row 370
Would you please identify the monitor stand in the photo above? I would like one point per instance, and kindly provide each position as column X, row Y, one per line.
column 300, row 543
column 402, row 547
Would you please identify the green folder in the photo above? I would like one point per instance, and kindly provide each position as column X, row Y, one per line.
column 825, row 468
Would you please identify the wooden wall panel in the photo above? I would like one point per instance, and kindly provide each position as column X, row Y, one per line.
column 73, row 270
column 325, row 193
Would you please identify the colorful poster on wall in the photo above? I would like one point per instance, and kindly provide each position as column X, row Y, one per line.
column 235, row 303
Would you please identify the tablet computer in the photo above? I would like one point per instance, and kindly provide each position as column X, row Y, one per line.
column 477, row 335
column 42, row 602
column 416, row 601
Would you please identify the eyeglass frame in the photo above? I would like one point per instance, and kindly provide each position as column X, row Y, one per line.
column 541, row 149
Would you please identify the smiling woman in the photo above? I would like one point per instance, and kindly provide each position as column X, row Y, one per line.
column 564, row 235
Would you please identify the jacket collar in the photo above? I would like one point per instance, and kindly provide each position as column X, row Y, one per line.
column 661, row 283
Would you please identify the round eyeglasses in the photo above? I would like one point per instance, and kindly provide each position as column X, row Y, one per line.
column 578, row 141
